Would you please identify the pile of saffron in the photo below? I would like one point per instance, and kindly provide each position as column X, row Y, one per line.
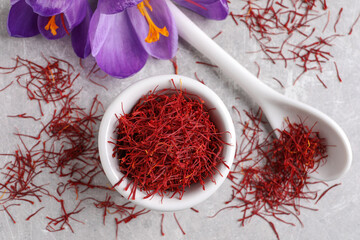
column 271, row 175
column 167, row 143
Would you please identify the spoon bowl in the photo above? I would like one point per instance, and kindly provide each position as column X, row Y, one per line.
column 279, row 107
column 276, row 106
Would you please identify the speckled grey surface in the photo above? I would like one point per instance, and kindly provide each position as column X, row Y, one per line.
column 339, row 212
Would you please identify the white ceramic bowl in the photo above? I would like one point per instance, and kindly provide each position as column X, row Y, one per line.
column 126, row 101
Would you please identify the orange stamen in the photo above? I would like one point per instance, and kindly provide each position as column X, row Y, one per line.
column 154, row 31
column 52, row 26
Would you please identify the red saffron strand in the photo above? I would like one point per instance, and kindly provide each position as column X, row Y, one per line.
column 197, row 78
column 327, row 190
column 195, row 210
column 11, row 217
column 207, row 64
column 29, row 217
column 63, row 23
column 175, row 65
column 97, row 84
column 196, row 4
column 258, row 72
column 337, row 72
column 338, row 18
column 317, row 76
column 353, row 25
column 23, row 115
column 182, row 230
column 4, row 88
column 327, row 22
column 218, row 34
column 279, row 82
column 162, row 224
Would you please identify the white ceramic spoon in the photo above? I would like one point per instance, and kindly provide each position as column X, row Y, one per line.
column 275, row 106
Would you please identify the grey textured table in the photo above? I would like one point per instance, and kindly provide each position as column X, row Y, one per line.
column 338, row 214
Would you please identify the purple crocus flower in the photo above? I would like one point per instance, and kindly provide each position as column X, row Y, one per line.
column 123, row 33
column 53, row 19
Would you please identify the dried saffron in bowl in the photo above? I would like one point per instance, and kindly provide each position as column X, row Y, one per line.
column 166, row 143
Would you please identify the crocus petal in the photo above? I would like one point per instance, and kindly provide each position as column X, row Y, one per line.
column 98, row 34
column 60, row 32
column 79, row 36
column 22, row 21
column 76, row 12
column 121, row 53
column 213, row 9
column 165, row 47
column 115, row 6
column 12, row 2
column 49, row 8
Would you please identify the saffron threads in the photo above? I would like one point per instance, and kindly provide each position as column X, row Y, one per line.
column 167, row 143
column 207, row 64
column 338, row 18
column 29, row 217
column 6, row 210
column 317, row 76
column 182, row 230
column 64, row 145
column 353, row 25
column 162, row 224
column 175, row 65
column 195, row 210
column 287, row 31
column 4, row 88
column 58, row 224
column 323, row 194
column 127, row 219
column 258, row 72
column 279, row 82
column 337, row 72
column 218, row 34
column 270, row 177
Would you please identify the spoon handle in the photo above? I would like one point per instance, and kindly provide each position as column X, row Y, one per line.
column 230, row 67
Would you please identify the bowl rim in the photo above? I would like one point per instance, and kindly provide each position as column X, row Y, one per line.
column 131, row 95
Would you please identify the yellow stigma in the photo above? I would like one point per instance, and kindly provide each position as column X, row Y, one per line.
column 154, row 31
column 52, row 26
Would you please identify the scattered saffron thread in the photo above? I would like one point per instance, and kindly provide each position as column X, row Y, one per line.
column 29, row 217
column 218, row 34
column 174, row 62
column 182, row 230
column 337, row 72
column 207, row 64
column 352, row 26
column 195, row 210
column 321, row 81
column 327, row 190
column 3, row 89
column 279, row 82
column 162, row 224
column 65, row 145
column 338, row 19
